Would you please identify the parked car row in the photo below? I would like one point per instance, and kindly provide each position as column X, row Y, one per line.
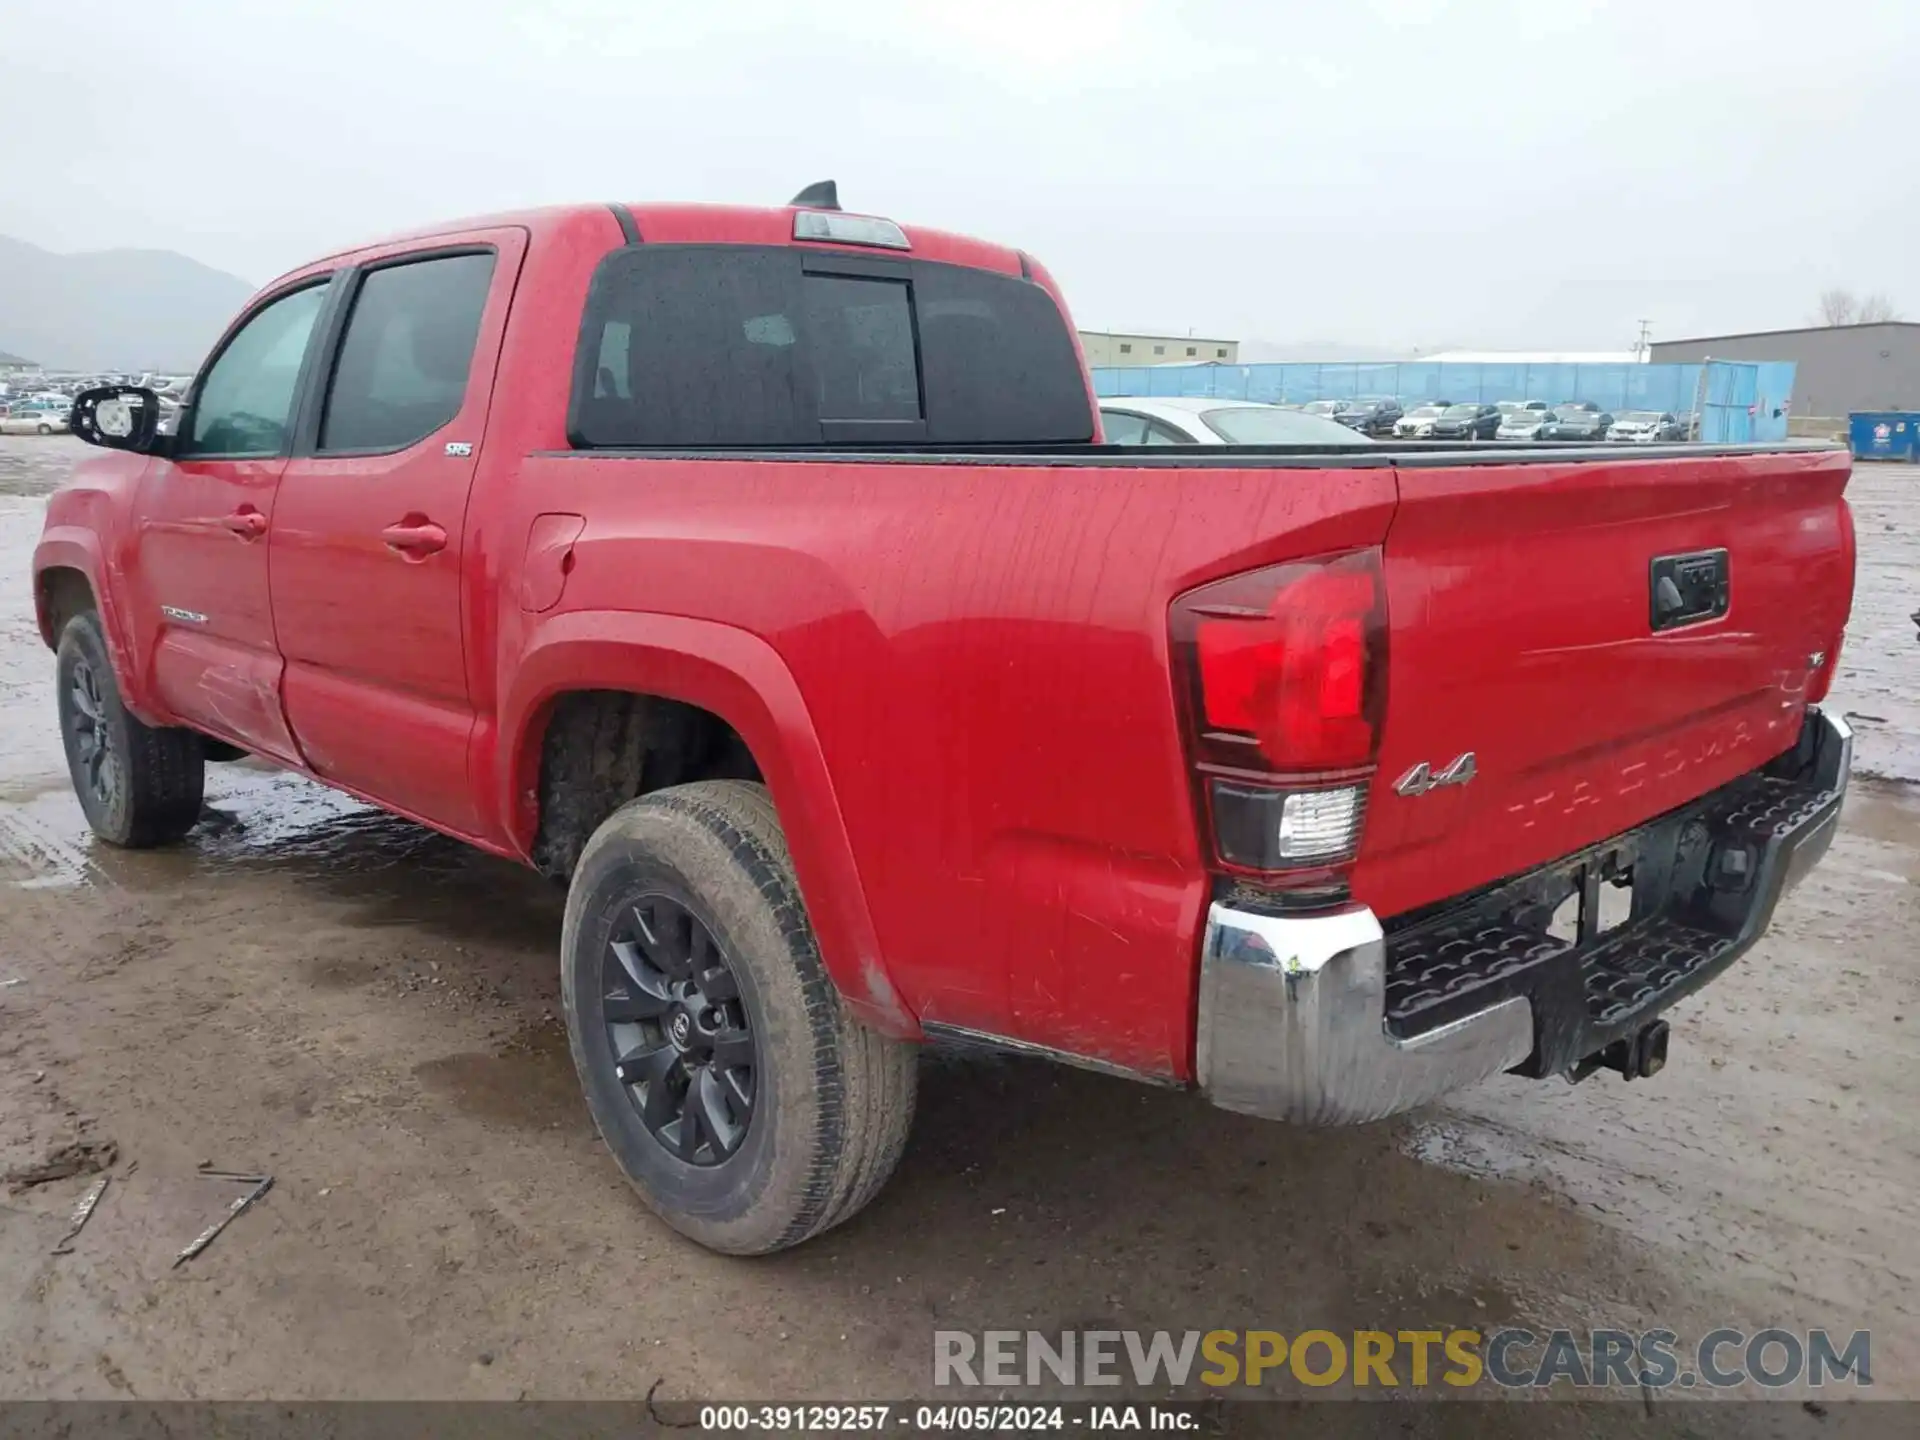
column 58, row 390
column 43, row 409
column 35, row 415
column 1510, row 420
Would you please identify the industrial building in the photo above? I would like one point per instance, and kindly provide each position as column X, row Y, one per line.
column 1107, row 347
column 1842, row 368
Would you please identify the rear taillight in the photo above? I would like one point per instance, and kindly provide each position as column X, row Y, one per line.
column 1283, row 673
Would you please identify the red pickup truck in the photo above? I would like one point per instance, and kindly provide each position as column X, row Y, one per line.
column 761, row 573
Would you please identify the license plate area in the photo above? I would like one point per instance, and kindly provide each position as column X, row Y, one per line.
column 1688, row 589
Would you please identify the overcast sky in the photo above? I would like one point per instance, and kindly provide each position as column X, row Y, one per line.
column 1401, row 173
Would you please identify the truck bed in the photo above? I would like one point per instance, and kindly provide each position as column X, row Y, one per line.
column 1029, row 847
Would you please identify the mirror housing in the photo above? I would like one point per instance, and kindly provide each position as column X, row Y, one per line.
column 118, row 417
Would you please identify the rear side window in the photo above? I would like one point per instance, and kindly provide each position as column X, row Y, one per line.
column 402, row 371
column 720, row 346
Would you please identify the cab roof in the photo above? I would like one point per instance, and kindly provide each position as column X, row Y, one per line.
column 691, row 224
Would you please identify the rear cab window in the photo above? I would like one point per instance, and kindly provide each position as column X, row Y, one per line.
column 720, row 346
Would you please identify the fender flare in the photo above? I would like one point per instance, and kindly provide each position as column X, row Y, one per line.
column 76, row 547
column 742, row 679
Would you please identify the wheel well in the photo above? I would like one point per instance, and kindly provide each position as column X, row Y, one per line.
column 64, row 593
column 603, row 748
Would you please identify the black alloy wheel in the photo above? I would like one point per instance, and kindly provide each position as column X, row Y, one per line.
column 98, row 765
column 743, row 1100
column 681, row 1040
column 140, row 785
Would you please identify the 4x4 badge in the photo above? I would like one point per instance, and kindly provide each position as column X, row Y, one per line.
column 1423, row 777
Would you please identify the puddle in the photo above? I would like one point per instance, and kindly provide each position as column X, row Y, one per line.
column 262, row 821
column 529, row 1081
column 265, row 821
column 44, row 842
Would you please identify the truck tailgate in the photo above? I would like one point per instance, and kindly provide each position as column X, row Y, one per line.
column 1559, row 623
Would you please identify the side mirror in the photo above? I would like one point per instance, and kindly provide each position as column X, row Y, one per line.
column 119, row 417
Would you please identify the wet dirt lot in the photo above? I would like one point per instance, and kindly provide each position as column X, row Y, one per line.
column 368, row 1011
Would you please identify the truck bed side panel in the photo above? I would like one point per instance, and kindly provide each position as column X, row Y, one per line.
column 982, row 651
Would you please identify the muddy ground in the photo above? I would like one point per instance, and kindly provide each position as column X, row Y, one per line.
column 368, row 1011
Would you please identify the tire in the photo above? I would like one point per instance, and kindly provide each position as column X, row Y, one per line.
column 830, row 1100
column 46, row 429
column 139, row 786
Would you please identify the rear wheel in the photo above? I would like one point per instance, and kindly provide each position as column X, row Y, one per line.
column 139, row 786
column 748, row 1108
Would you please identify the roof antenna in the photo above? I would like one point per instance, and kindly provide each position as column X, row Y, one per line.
column 821, row 195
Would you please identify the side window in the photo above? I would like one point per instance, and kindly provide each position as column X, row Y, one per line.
column 402, row 371
column 244, row 404
column 1159, row 434
column 1122, row 428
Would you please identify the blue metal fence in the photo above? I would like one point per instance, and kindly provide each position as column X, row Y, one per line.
column 1736, row 400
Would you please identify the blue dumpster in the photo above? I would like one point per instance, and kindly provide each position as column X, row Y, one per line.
column 1885, row 434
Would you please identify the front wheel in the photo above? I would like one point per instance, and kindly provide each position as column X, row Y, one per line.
column 46, row 429
column 747, row 1107
column 139, row 785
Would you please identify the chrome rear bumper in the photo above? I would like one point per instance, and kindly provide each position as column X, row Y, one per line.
column 1294, row 1010
column 1292, row 1024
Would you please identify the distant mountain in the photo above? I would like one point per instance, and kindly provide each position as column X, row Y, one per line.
column 112, row 309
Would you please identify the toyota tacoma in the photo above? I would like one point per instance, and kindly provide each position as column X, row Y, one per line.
column 762, row 575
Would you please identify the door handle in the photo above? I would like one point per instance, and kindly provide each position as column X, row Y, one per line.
column 247, row 524
column 415, row 539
